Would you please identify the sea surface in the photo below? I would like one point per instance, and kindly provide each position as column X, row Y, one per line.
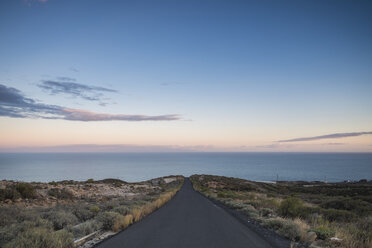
column 134, row 167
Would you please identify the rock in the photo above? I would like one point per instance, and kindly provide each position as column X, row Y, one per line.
column 8, row 201
column 311, row 237
column 155, row 181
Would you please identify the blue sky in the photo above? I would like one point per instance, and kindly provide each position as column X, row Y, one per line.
column 237, row 73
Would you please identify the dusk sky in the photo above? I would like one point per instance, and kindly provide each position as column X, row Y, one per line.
column 186, row 75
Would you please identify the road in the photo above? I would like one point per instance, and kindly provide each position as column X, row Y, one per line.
column 188, row 220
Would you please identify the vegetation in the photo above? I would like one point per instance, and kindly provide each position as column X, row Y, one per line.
column 60, row 193
column 41, row 237
column 26, row 190
column 55, row 214
column 300, row 211
column 16, row 191
column 291, row 207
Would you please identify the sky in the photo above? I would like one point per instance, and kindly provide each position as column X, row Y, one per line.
column 263, row 75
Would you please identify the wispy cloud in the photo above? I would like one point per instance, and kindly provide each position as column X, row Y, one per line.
column 67, row 79
column 328, row 136
column 14, row 104
column 73, row 69
column 32, row 1
column 83, row 115
column 68, row 86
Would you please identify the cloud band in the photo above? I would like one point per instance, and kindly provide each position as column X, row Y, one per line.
column 15, row 105
column 328, row 136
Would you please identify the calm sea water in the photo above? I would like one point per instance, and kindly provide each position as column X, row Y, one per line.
column 142, row 166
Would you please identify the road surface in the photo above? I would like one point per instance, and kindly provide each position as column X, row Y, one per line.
column 189, row 220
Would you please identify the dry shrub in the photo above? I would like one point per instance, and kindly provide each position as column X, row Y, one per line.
column 110, row 220
column 42, row 237
column 128, row 220
column 356, row 235
column 140, row 212
column 84, row 228
column 303, row 228
column 291, row 207
column 295, row 230
column 61, row 218
column 137, row 214
column 115, row 221
column 118, row 223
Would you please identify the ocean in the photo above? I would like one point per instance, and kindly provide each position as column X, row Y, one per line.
column 133, row 167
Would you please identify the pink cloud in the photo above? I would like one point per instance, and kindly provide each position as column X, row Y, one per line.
column 83, row 115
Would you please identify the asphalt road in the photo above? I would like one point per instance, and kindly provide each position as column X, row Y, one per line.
column 188, row 220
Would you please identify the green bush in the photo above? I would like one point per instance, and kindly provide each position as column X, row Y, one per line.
column 61, row 218
column 85, row 228
column 9, row 193
column 274, row 224
column 123, row 210
column 294, row 230
column 60, row 194
column 26, row 190
column 250, row 211
column 42, row 238
column 108, row 219
column 94, row 209
column 82, row 212
column 291, row 207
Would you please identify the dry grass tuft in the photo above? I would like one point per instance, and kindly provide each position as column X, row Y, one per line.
column 137, row 214
column 122, row 222
column 303, row 228
column 140, row 212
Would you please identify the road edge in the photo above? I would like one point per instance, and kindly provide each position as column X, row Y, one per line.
column 270, row 236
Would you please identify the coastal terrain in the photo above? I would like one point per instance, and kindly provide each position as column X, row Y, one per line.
column 203, row 211
column 310, row 214
column 71, row 213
